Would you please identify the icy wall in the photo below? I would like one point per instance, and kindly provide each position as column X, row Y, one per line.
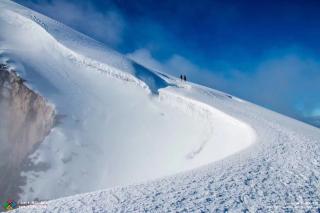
column 25, row 120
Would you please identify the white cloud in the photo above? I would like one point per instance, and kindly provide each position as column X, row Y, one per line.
column 144, row 57
column 175, row 65
column 106, row 26
column 279, row 82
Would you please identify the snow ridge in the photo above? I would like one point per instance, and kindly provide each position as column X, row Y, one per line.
column 95, row 109
column 183, row 147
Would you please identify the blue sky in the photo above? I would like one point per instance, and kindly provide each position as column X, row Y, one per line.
column 267, row 52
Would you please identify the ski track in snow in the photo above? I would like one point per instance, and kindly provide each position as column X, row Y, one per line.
column 279, row 172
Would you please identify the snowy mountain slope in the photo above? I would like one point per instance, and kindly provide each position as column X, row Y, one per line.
column 125, row 124
column 116, row 129
column 279, row 173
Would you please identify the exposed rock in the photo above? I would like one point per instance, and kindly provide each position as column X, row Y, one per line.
column 25, row 120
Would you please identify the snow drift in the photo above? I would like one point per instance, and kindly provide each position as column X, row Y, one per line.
column 157, row 143
column 121, row 123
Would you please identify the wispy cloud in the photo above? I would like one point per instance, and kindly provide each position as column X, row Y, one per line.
column 106, row 25
column 285, row 82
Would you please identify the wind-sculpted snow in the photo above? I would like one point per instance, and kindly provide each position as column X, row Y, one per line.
column 217, row 141
column 152, row 80
column 279, row 173
column 114, row 126
column 157, row 143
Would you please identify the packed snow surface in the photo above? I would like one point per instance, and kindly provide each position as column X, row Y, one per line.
column 120, row 122
column 157, row 143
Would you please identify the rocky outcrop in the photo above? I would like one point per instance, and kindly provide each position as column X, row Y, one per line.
column 25, row 120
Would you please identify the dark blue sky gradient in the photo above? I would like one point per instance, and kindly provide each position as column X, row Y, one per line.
column 236, row 31
column 229, row 30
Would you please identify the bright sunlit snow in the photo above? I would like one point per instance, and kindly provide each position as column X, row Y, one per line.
column 122, row 124
column 116, row 128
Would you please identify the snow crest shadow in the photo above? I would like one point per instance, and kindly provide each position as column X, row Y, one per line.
column 152, row 80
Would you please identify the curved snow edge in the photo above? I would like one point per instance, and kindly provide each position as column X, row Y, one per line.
column 205, row 111
column 110, row 70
